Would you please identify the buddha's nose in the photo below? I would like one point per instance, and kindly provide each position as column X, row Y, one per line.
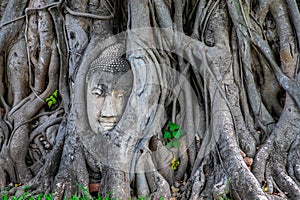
column 108, row 109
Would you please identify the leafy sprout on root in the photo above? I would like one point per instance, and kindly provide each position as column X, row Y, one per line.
column 172, row 135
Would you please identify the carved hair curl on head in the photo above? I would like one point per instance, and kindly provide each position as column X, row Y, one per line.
column 111, row 60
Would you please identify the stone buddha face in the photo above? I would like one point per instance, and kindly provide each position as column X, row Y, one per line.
column 107, row 95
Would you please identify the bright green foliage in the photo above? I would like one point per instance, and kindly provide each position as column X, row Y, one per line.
column 177, row 134
column 4, row 197
column 172, row 135
column 169, row 144
column 176, row 143
column 167, row 134
column 225, row 198
column 142, row 198
column 25, row 196
column 48, row 197
column 85, row 195
column 42, row 196
column 173, row 126
column 52, row 99
column 147, row 198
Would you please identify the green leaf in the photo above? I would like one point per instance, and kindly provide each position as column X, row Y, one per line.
column 176, row 143
column 30, row 198
column 169, row 144
column 173, row 126
column 82, row 188
column 50, row 103
column 23, row 196
column 49, row 99
column 49, row 197
column 4, row 196
column 55, row 93
column 26, row 187
column 74, row 197
column 178, row 134
column 167, row 135
column 54, row 101
column 86, row 193
column 40, row 197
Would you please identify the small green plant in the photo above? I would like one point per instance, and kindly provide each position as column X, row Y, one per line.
column 85, row 195
column 147, row 198
column 172, row 135
column 84, row 192
column 142, row 198
column 224, row 197
column 52, row 99
column 26, row 195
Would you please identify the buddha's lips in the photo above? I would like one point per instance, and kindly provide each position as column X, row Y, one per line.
column 107, row 125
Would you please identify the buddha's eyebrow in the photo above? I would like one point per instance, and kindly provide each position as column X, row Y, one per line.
column 100, row 85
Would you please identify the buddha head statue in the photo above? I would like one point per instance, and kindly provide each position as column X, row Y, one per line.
column 109, row 84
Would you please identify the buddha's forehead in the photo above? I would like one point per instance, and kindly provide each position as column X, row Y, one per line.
column 115, row 80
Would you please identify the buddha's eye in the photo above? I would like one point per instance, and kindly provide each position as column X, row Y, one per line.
column 98, row 92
